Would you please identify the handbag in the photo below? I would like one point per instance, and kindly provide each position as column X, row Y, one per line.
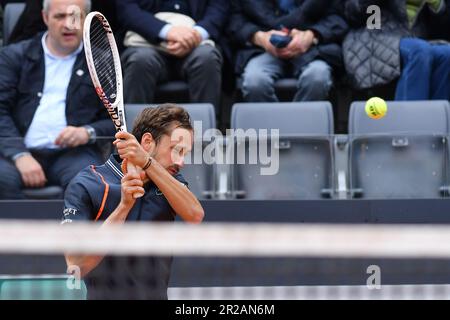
column 371, row 57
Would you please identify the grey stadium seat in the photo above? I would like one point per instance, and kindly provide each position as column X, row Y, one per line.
column 286, row 88
column 10, row 17
column 201, row 177
column 46, row 193
column 404, row 154
column 304, row 147
column 174, row 91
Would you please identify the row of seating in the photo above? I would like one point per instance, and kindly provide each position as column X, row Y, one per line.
column 403, row 155
column 338, row 169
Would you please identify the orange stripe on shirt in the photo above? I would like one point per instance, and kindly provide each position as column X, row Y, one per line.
column 105, row 193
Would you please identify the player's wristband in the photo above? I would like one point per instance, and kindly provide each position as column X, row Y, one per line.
column 148, row 164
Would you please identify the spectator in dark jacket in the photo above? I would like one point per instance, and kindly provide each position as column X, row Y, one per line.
column 425, row 66
column 191, row 51
column 50, row 114
column 312, row 56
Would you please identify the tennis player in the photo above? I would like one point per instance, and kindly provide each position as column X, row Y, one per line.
column 161, row 138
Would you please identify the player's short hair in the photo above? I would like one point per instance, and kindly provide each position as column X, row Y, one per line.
column 161, row 120
column 46, row 5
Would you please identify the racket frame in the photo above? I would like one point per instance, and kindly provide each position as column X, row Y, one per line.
column 116, row 110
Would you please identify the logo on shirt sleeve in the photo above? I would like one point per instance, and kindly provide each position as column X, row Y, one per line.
column 68, row 213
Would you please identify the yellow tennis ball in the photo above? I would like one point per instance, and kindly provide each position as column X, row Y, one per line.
column 376, row 108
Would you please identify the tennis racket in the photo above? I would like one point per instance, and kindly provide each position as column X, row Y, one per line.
column 103, row 61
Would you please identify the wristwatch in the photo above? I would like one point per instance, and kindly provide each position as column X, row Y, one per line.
column 92, row 134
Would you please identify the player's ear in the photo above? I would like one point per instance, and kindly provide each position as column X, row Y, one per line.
column 147, row 141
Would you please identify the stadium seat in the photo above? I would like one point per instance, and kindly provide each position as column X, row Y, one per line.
column 10, row 17
column 173, row 91
column 201, row 177
column 46, row 193
column 54, row 192
column 404, row 154
column 285, row 88
column 304, row 146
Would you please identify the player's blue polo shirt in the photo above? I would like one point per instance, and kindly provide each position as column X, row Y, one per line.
column 92, row 196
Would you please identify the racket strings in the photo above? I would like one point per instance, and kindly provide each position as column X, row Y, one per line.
column 103, row 59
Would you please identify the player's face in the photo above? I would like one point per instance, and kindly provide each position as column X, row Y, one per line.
column 64, row 20
column 171, row 149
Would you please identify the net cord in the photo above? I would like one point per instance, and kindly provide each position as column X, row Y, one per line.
column 214, row 239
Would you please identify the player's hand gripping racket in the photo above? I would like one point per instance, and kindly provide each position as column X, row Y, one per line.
column 104, row 66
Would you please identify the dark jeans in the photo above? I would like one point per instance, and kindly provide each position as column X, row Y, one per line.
column 146, row 67
column 59, row 166
column 426, row 71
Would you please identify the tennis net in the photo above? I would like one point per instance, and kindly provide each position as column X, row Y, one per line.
column 225, row 261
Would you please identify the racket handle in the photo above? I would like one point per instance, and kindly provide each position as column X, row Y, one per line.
column 133, row 169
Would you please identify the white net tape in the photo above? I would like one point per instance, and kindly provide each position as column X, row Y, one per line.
column 318, row 240
column 428, row 243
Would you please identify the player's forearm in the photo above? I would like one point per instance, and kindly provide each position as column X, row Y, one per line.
column 180, row 198
column 86, row 263
column 119, row 215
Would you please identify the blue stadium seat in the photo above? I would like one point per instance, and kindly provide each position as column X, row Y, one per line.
column 304, row 147
column 10, row 17
column 201, row 177
column 404, row 154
